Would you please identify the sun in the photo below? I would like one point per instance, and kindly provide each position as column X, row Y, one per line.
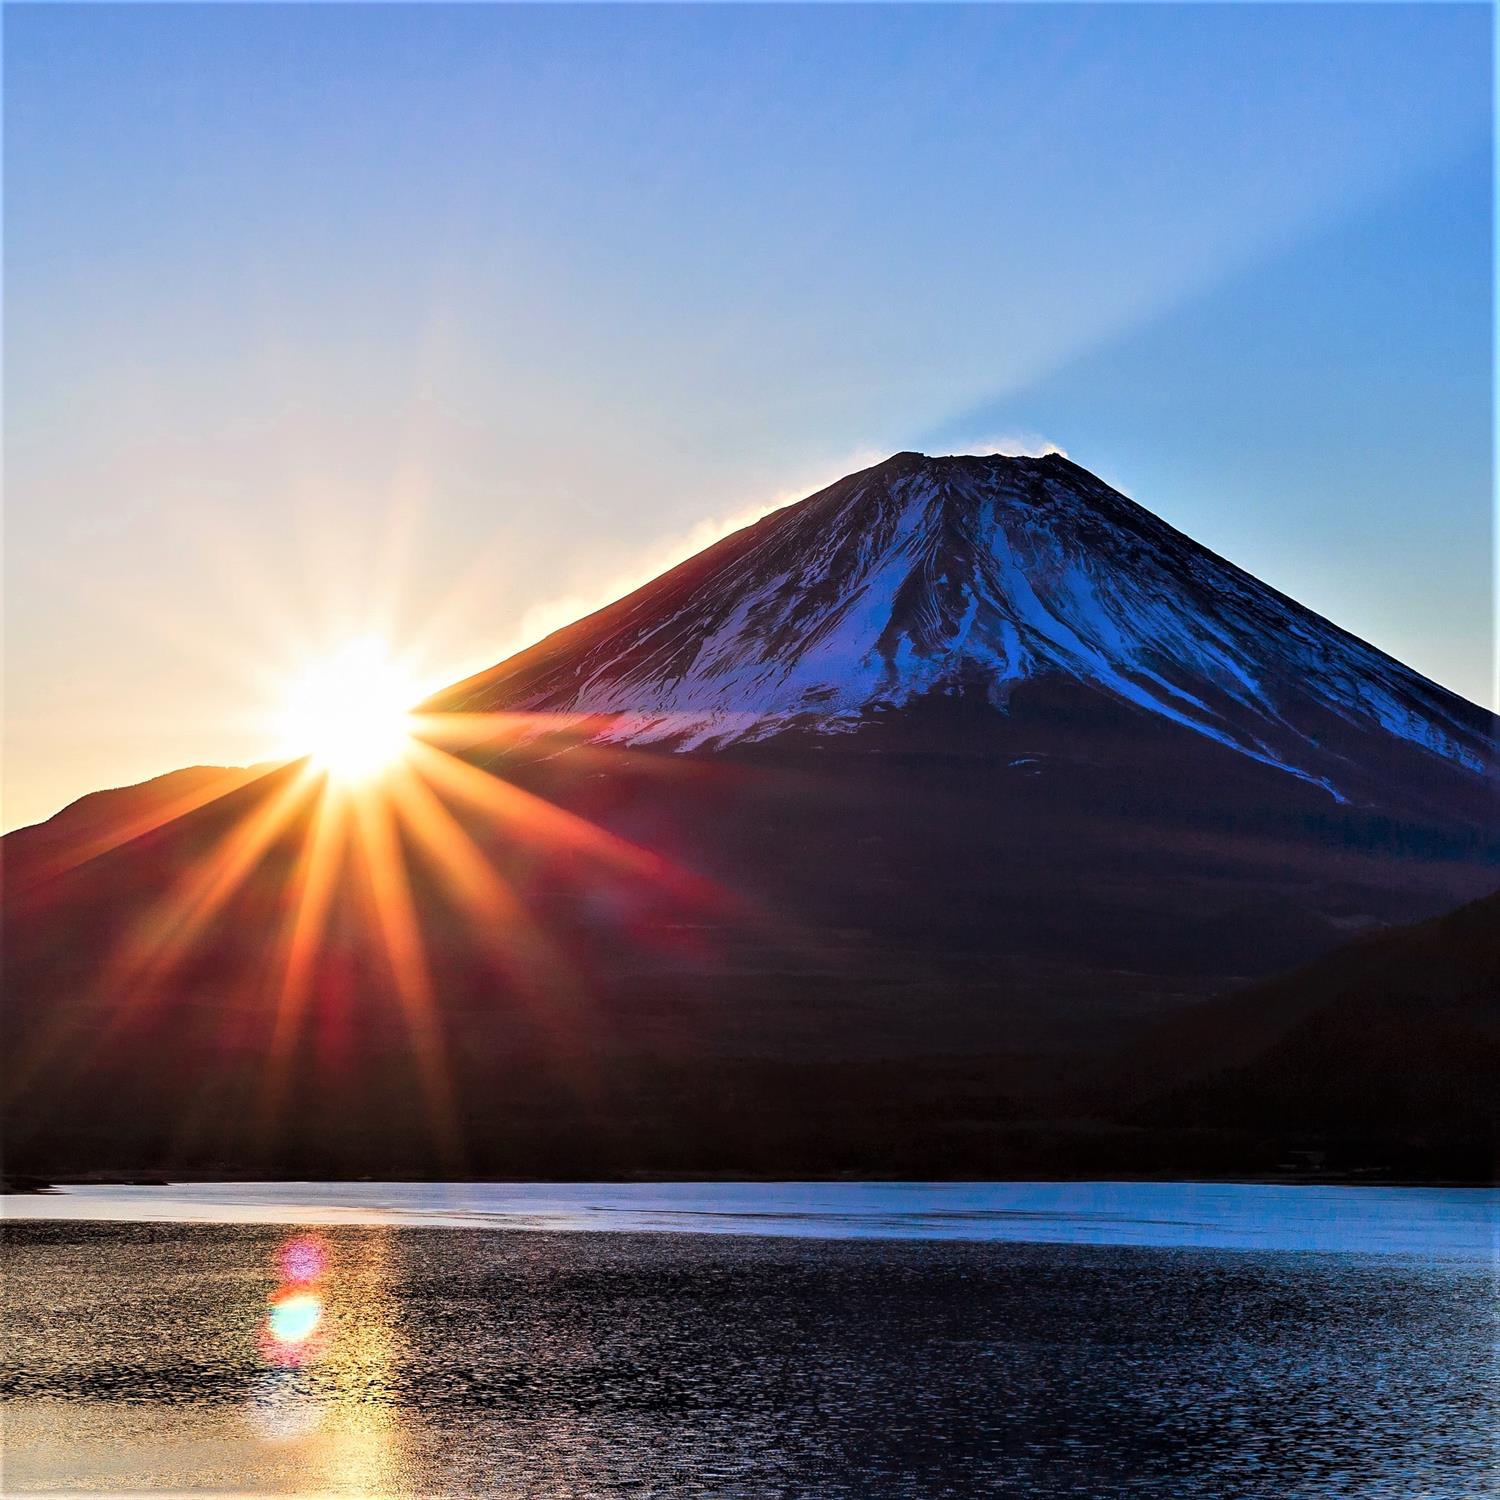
column 351, row 710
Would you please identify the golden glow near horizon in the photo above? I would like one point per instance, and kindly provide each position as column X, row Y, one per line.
column 350, row 710
column 389, row 821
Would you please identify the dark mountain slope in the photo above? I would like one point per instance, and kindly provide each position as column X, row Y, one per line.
column 104, row 820
column 1393, row 1040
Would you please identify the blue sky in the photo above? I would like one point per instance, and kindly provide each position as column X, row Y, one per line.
column 468, row 316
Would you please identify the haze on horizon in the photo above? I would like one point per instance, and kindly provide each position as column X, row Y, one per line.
column 454, row 322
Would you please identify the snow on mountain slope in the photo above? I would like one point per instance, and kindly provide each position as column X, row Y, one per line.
column 965, row 575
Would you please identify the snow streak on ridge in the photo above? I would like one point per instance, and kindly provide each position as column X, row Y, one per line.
column 965, row 575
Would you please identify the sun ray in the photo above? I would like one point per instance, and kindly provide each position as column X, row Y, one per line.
column 468, row 731
column 537, row 819
column 471, row 880
column 182, row 915
column 314, row 885
column 384, row 868
column 498, row 918
column 540, row 821
column 148, row 952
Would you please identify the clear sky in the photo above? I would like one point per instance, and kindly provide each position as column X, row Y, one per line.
column 450, row 321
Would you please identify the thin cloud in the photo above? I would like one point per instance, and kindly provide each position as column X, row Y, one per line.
column 1011, row 445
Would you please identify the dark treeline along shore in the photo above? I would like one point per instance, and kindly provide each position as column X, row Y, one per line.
column 963, row 820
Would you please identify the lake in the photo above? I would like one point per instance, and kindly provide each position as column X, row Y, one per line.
column 748, row 1340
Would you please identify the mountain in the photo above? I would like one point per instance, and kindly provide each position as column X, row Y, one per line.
column 104, row 820
column 970, row 577
column 1391, row 1039
column 858, row 842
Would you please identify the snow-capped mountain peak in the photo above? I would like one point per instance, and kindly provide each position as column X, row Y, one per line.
column 975, row 577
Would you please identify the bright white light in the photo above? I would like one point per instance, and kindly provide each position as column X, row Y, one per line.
column 351, row 710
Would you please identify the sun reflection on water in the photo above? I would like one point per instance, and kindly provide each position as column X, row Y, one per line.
column 328, row 1339
column 294, row 1314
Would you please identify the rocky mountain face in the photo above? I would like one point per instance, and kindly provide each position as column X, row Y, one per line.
column 862, row 841
column 969, row 577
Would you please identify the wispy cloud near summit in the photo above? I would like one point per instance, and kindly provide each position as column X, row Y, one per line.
column 1009, row 445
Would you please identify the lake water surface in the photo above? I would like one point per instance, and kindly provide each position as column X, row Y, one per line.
column 1229, row 1216
column 838, row 1340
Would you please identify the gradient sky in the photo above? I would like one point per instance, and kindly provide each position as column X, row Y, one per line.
column 454, row 321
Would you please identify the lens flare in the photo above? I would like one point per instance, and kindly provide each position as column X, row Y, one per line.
column 303, row 1259
column 291, row 1334
column 295, row 1317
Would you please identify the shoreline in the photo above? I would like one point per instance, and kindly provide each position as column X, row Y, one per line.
column 29, row 1186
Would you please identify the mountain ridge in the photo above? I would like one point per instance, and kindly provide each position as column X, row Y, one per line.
column 933, row 573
